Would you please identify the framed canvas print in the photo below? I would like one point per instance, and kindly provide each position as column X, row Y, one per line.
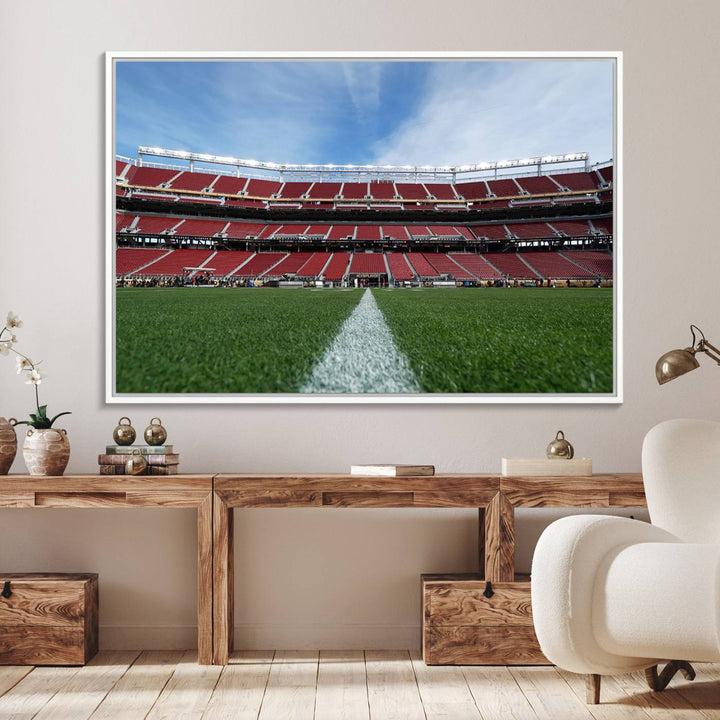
column 407, row 228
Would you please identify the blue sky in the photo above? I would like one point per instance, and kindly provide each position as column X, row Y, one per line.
column 367, row 112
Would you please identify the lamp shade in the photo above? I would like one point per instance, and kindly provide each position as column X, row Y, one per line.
column 675, row 363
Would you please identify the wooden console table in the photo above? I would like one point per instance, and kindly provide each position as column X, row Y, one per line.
column 495, row 497
column 126, row 491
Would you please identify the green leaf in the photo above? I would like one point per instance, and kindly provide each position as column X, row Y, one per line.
column 42, row 411
column 67, row 412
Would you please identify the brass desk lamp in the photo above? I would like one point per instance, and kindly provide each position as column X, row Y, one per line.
column 677, row 362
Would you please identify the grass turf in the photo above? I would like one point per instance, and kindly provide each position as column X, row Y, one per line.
column 519, row 340
column 214, row 340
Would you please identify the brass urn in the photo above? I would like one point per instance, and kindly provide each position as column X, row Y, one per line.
column 136, row 463
column 560, row 448
column 155, row 433
column 124, row 433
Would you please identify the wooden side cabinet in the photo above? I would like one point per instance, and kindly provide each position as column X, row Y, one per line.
column 469, row 621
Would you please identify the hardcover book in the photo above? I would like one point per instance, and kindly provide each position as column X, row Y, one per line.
column 144, row 449
column 392, row 470
column 172, row 459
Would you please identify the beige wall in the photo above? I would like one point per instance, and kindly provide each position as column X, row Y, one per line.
column 316, row 577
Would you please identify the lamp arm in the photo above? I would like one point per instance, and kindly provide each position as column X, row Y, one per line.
column 710, row 350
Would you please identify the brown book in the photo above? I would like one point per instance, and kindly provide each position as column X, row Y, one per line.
column 171, row 459
column 149, row 470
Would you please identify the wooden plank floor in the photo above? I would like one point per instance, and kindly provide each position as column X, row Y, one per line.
column 344, row 685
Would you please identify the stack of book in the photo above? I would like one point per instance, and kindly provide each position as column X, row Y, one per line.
column 160, row 459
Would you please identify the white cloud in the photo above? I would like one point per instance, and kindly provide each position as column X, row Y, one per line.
column 480, row 111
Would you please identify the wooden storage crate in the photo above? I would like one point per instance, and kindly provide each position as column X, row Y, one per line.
column 461, row 626
column 48, row 618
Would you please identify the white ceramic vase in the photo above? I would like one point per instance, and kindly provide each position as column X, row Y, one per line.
column 46, row 451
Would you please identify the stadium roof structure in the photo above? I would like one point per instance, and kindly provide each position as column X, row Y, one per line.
column 447, row 173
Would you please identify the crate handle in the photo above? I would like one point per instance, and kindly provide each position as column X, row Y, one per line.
column 6, row 592
column 488, row 592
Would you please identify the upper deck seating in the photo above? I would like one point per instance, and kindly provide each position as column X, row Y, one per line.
column 289, row 265
column 477, row 265
column 465, row 232
column 192, row 181
column 445, row 231
column 128, row 260
column 123, row 221
column 341, row 232
column 227, row 185
column 503, row 188
column 294, row 189
column 511, row 265
column 418, row 231
column 368, row 263
column 600, row 263
column 396, row 232
column 399, row 267
column 412, row 191
column 382, row 190
column 491, row 232
column 441, row 191
column 262, row 188
column 354, row 191
column 572, row 228
column 577, row 180
column 154, row 225
column 269, row 231
column 258, row 264
column 292, row 230
column 553, row 265
column 445, row 265
column 368, row 232
column 531, row 230
column 174, row 263
column 152, row 177
column 324, row 190
column 226, row 261
column 472, row 190
column 538, row 185
column 337, row 267
column 242, row 230
column 607, row 173
column 421, row 265
column 317, row 231
column 314, row 265
column 200, row 228
column 604, row 226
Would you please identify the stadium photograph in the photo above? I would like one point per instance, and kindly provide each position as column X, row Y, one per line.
column 410, row 229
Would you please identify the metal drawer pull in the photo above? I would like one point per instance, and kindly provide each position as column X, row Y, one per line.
column 488, row 592
column 6, row 592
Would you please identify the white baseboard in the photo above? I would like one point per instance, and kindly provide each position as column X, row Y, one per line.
column 266, row 637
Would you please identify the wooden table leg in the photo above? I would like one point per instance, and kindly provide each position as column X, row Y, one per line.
column 223, row 581
column 205, row 582
column 499, row 518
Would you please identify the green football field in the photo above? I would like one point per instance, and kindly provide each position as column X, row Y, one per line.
column 268, row 340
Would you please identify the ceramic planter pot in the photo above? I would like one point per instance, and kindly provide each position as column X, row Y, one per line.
column 8, row 444
column 46, row 452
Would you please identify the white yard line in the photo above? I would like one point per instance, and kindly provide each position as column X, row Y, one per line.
column 363, row 357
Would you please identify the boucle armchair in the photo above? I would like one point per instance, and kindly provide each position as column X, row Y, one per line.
column 614, row 595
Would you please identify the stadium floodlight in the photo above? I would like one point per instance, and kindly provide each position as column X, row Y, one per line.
column 678, row 362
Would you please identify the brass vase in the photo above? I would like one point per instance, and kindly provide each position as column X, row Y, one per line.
column 46, row 451
column 8, row 444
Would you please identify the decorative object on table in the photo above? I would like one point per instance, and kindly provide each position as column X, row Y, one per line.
column 677, row 362
column 48, row 618
column 392, row 470
column 135, row 464
column 560, row 448
column 155, row 433
column 124, row 433
column 8, row 444
column 158, row 459
column 46, row 449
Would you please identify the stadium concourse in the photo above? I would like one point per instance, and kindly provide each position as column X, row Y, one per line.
column 540, row 221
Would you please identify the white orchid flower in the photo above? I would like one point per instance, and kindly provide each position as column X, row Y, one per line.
column 35, row 377
column 23, row 364
column 5, row 346
column 13, row 320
